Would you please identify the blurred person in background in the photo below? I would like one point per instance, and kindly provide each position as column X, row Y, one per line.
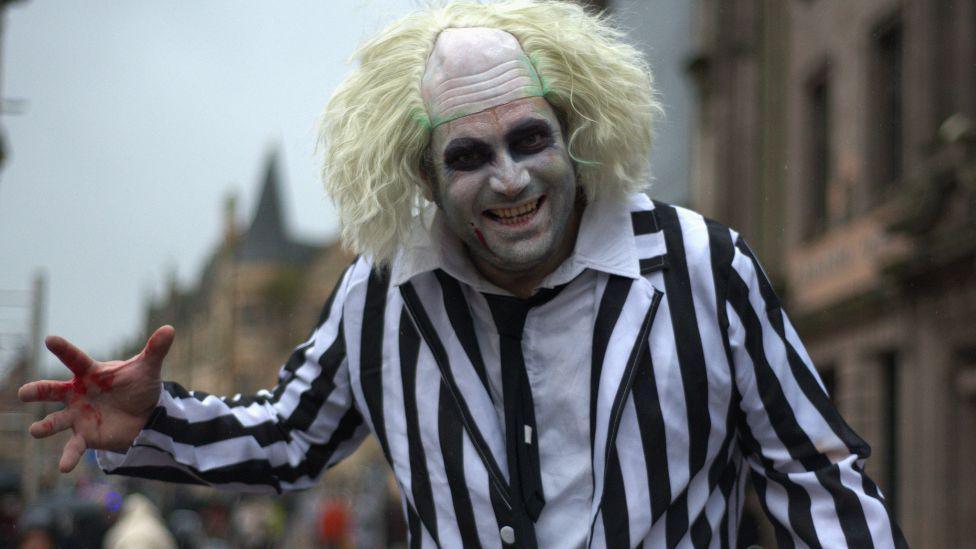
column 139, row 525
column 547, row 357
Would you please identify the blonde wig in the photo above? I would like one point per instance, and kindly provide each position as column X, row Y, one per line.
column 375, row 130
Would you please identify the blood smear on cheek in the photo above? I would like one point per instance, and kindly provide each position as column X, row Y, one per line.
column 481, row 238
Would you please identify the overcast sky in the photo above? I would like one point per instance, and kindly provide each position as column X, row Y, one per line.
column 127, row 122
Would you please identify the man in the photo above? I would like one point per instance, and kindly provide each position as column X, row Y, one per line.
column 546, row 357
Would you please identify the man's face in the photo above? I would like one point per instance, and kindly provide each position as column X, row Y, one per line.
column 505, row 184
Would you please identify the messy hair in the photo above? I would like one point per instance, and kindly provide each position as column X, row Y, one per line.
column 375, row 130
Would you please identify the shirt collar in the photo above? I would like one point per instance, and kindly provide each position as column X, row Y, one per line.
column 605, row 243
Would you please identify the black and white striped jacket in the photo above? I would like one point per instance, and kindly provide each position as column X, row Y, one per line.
column 697, row 377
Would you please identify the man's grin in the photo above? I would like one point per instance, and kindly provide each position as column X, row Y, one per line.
column 515, row 215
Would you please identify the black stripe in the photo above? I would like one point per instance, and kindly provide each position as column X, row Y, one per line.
column 426, row 330
column 728, row 491
column 691, row 357
column 871, row 489
column 650, row 422
column 225, row 427
column 701, row 530
column 163, row 473
column 676, row 521
column 459, row 314
column 644, row 222
column 414, row 528
column 371, row 353
column 423, row 497
column 798, row 500
column 783, row 538
column 327, row 308
column 285, row 376
column 653, row 264
column 312, row 400
column 612, row 303
column 451, row 433
column 614, row 508
column 320, row 456
column 260, row 472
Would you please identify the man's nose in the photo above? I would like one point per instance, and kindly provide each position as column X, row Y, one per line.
column 507, row 177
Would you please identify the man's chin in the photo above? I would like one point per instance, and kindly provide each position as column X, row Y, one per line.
column 517, row 261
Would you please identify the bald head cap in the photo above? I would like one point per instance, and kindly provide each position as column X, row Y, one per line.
column 474, row 69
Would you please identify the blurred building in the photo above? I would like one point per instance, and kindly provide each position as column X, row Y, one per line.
column 840, row 139
column 259, row 296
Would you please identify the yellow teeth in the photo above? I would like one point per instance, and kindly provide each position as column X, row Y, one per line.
column 507, row 213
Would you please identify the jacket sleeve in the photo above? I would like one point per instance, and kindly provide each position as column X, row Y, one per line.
column 807, row 463
column 275, row 440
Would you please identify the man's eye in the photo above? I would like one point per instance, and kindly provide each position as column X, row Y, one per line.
column 467, row 160
column 532, row 143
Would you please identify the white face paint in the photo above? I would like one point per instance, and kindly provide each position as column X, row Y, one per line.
column 504, row 179
column 475, row 69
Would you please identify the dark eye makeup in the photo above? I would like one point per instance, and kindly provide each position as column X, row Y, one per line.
column 466, row 154
column 528, row 137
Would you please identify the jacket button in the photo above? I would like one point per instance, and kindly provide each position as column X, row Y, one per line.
column 508, row 534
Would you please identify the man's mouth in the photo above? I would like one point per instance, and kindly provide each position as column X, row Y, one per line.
column 516, row 214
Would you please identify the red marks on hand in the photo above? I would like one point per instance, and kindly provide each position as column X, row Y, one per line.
column 50, row 391
column 104, row 380
column 90, row 412
column 80, row 385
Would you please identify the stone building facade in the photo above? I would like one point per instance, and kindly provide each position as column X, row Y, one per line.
column 258, row 296
column 840, row 138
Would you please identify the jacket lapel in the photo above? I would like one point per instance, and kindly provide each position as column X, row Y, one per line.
column 464, row 383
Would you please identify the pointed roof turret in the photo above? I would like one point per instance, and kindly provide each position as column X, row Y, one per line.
column 267, row 237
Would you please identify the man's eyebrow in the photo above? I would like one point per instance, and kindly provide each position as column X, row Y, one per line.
column 461, row 144
column 528, row 127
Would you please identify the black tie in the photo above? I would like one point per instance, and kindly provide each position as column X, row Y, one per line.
column 521, row 434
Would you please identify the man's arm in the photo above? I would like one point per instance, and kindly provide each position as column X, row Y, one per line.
column 272, row 441
column 807, row 463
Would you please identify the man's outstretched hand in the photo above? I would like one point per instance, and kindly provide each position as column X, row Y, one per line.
column 106, row 404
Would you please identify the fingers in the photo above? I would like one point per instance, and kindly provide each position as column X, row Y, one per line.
column 158, row 345
column 74, row 358
column 44, row 391
column 72, row 453
column 52, row 424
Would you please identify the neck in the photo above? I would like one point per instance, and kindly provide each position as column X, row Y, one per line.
column 523, row 284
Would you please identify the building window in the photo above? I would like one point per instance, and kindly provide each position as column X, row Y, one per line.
column 944, row 59
column 886, row 100
column 818, row 164
column 889, row 382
